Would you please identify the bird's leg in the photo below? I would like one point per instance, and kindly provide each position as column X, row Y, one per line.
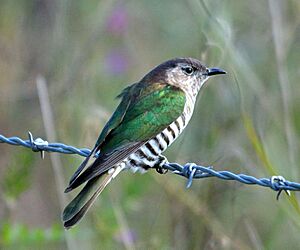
column 159, row 165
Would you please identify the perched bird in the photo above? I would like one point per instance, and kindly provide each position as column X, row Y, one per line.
column 151, row 115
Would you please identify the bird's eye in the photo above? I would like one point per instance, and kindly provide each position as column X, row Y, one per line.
column 188, row 70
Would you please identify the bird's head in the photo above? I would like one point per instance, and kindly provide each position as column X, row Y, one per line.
column 187, row 73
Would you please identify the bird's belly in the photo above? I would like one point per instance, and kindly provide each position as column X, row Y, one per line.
column 147, row 156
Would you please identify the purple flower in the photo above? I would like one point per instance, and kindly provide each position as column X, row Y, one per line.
column 117, row 22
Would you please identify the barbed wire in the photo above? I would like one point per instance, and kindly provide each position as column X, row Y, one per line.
column 189, row 170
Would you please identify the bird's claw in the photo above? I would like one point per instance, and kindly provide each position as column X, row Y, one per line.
column 159, row 167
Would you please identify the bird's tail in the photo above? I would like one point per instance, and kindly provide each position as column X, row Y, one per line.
column 78, row 207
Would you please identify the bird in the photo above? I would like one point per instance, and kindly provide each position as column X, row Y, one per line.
column 152, row 113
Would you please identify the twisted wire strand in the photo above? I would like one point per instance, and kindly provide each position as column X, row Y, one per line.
column 189, row 170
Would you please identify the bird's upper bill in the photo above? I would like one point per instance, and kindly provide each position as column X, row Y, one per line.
column 215, row 71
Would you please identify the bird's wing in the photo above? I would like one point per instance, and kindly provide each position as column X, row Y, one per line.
column 148, row 113
column 113, row 122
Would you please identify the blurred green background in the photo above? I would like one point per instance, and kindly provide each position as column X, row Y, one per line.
column 86, row 52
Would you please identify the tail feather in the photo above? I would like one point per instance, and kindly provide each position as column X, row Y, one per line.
column 82, row 165
column 78, row 207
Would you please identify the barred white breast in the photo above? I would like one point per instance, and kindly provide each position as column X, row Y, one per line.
column 147, row 156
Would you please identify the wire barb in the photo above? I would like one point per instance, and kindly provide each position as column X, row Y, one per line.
column 38, row 144
column 276, row 183
column 190, row 171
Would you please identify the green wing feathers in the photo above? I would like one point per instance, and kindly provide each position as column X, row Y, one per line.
column 147, row 117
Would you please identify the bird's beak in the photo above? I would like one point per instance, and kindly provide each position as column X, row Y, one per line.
column 215, row 71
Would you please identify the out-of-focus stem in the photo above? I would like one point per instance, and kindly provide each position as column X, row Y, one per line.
column 51, row 136
column 279, row 39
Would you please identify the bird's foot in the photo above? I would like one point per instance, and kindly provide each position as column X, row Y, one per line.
column 159, row 166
